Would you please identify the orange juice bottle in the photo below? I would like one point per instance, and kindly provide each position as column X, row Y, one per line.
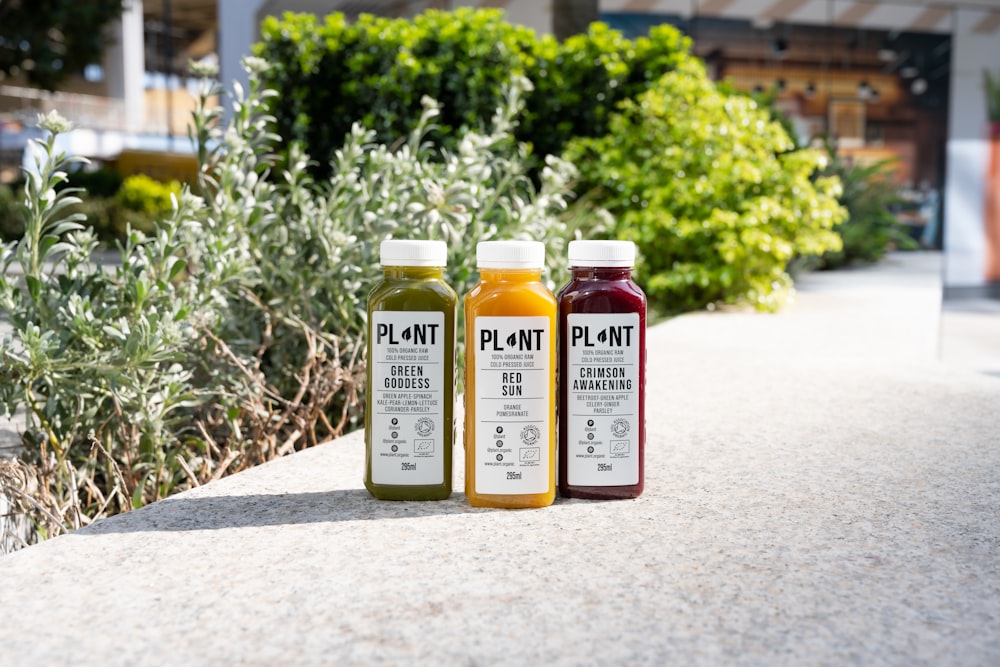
column 510, row 363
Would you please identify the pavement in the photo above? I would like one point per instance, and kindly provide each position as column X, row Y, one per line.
column 822, row 488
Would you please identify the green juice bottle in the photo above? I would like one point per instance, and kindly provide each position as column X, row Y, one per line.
column 409, row 415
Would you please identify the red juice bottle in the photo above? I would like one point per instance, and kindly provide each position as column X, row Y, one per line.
column 602, row 374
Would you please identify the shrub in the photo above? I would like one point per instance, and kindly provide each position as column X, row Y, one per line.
column 233, row 333
column 377, row 69
column 103, row 182
column 711, row 190
column 11, row 215
column 96, row 359
column 110, row 206
column 871, row 229
column 712, row 230
column 991, row 88
column 580, row 82
column 110, row 220
column 101, row 217
column 146, row 195
column 140, row 203
column 317, row 248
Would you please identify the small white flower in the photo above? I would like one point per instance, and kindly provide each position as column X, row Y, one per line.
column 435, row 195
column 190, row 201
column 54, row 122
column 204, row 68
column 255, row 65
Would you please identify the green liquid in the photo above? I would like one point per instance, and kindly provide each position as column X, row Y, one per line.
column 409, row 414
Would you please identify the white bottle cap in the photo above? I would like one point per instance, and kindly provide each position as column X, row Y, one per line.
column 602, row 253
column 395, row 252
column 510, row 255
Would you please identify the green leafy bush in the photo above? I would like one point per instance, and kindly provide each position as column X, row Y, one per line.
column 376, row 70
column 711, row 190
column 147, row 195
column 140, row 203
column 719, row 229
column 103, row 182
column 109, row 204
column 991, row 88
column 871, row 229
column 580, row 82
column 11, row 215
column 233, row 333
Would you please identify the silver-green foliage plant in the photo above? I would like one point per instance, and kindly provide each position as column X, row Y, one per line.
column 234, row 333
column 479, row 192
column 314, row 245
column 95, row 357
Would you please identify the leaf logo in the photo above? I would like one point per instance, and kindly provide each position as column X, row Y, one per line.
column 407, row 333
column 603, row 336
column 512, row 340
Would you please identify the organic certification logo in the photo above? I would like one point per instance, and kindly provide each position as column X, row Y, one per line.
column 424, row 426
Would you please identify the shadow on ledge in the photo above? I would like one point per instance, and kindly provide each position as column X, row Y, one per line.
column 218, row 512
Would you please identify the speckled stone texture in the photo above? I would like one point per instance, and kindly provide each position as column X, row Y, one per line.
column 820, row 490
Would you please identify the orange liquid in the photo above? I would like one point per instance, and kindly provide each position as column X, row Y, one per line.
column 510, row 363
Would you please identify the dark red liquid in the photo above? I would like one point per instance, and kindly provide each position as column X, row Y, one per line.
column 599, row 291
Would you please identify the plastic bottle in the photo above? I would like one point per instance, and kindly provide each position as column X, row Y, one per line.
column 510, row 348
column 602, row 374
column 409, row 420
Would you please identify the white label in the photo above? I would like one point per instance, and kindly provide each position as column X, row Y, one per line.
column 602, row 382
column 408, row 415
column 513, row 407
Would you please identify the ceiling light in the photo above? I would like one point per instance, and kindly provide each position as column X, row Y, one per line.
column 887, row 51
column 919, row 86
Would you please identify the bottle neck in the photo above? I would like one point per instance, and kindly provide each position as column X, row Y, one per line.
column 510, row 275
column 601, row 272
column 413, row 272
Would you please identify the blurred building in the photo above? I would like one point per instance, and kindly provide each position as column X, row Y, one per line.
column 136, row 99
column 899, row 79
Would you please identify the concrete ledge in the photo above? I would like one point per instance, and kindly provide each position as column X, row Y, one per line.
column 807, row 503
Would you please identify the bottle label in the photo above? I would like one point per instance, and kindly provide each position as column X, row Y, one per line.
column 408, row 415
column 602, row 381
column 513, row 407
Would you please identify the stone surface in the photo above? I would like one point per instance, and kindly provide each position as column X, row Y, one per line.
column 820, row 490
column 970, row 334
